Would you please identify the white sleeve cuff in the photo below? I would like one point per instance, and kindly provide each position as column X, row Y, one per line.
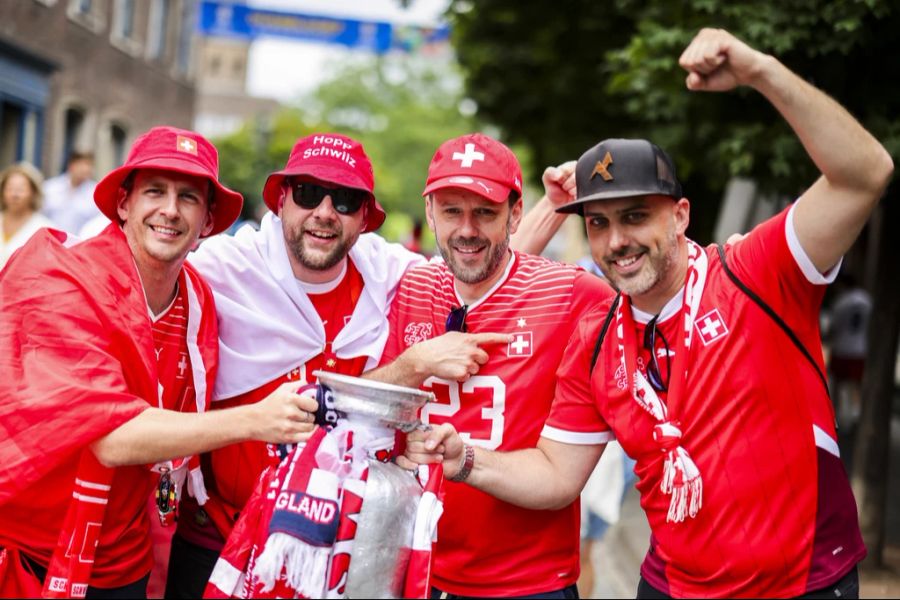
column 803, row 261
column 577, row 438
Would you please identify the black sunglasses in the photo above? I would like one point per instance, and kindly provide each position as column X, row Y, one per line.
column 653, row 373
column 456, row 320
column 346, row 201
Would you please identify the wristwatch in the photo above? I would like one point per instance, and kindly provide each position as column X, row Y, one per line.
column 466, row 462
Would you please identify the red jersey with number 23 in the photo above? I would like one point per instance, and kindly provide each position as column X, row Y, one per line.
column 487, row 547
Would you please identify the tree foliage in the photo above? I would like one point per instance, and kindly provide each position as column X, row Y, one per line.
column 561, row 81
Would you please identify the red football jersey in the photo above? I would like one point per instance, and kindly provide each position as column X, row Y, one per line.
column 173, row 362
column 236, row 468
column 778, row 517
column 487, row 547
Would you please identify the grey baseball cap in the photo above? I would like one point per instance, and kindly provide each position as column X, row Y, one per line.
column 618, row 168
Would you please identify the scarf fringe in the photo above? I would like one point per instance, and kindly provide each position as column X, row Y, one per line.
column 681, row 478
column 302, row 564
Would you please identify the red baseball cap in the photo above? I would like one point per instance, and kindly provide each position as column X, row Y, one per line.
column 328, row 158
column 178, row 150
column 477, row 163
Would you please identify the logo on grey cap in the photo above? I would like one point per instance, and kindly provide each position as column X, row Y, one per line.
column 601, row 167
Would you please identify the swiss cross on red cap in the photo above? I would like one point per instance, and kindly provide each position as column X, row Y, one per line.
column 477, row 163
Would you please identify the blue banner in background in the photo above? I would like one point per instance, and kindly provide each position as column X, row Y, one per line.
column 223, row 18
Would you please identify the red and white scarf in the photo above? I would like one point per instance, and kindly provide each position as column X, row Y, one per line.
column 681, row 478
column 291, row 539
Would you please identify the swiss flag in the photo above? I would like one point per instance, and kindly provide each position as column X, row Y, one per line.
column 186, row 144
column 711, row 327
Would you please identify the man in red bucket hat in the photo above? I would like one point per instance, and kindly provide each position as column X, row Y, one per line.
column 108, row 354
column 310, row 290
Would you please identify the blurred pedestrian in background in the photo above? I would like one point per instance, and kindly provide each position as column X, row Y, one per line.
column 847, row 339
column 69, row 197
column 20, row 201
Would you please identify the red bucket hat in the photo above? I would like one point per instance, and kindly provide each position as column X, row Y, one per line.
column 329, row 158
column 477, row 163
column 178, row 150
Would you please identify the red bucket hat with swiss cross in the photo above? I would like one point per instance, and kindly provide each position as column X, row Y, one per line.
column 181, row 151
column 329, row 159
column 477, row 163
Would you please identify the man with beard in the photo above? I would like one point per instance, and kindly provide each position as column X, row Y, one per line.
column 495, row 385
column 708, row 366
column 310, row 290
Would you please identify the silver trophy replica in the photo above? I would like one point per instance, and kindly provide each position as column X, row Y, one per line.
column 384, row 537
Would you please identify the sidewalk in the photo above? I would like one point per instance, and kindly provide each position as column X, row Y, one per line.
column 617, row 558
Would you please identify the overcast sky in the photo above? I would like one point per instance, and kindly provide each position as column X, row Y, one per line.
column 283, row 69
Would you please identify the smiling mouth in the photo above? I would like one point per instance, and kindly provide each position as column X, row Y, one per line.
column 321, row 235
column 167, row 231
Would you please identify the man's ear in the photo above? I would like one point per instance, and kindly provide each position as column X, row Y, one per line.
column 282, row 198
column 122, row 204
column 682, row 215
column 515, row 215
column 429, row 211
column 210, row 221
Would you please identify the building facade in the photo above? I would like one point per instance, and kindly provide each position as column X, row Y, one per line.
column 91, row 75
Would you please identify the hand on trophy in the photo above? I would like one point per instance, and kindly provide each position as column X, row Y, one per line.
column 284, row 416
column 441, row 444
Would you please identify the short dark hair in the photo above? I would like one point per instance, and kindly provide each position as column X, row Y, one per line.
column 77, row 155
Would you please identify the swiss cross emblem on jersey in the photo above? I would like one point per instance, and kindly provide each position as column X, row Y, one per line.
column 186, row 144
column 521, row 345
column 711, row 327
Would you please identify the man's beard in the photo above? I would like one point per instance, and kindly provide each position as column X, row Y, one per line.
column 314, row 260
column 477, row 274
column 651, row 274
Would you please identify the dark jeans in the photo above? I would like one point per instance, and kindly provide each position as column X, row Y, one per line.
column 133, row 591
column 846, row 587
column 567, row 593
column 189, row 569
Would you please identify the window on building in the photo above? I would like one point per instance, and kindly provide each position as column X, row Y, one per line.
column 185, row 51
column 11, row 116
column 87, row 13
column 118, row 137
column 73, row 126
column 125, row 18
column 157, row 32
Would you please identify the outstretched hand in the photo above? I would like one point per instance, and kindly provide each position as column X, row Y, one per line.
column 716, row 61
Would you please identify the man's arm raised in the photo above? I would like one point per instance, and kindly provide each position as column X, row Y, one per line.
column 855, row 167
column 548, row 477
column 156, row 434
column 453, row 356
column 542, row 222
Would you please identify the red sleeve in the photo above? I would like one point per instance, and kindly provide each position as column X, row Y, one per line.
column 574, row 418
column 771, row 262
column 62, row 379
